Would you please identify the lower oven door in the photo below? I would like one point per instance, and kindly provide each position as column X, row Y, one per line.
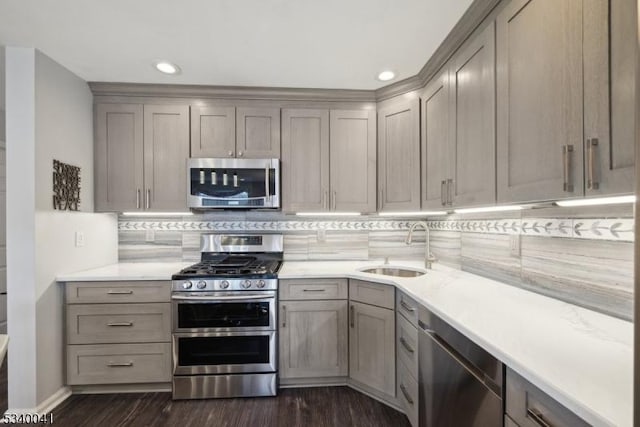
column 224, row 352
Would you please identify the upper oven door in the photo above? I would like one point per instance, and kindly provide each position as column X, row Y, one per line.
column 233, row 183
column 224, row 311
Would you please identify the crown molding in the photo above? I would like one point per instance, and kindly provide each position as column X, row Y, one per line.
column 230, row 92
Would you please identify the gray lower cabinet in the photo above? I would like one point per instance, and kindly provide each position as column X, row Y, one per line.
column 325, row 170
column 313, row 330
column 229, row 131
column 399, row 156
column 372, row 348
column 528, row 406
column 118, row 332
column 407, row 356
column 540, row 100
column 140, row 156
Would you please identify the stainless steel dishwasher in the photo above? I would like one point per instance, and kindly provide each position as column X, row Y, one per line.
column 460, row 384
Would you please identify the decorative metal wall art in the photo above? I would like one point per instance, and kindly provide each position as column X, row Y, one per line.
column 66, row 186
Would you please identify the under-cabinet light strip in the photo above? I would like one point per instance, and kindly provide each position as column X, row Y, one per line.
column 328, row 213
column 403, row 214
column 147, row 214
column 599, row 201
column 489, row 209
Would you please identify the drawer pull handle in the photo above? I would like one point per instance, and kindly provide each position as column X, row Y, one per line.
column 352, row 316
column 313, row 290
column 124, row 292
column 537, row 418
column 567, row 151
column 284, row 316
column 120, row 324
column 406, row 394
column 407, row 306
column 406, row 345
column 119, row 364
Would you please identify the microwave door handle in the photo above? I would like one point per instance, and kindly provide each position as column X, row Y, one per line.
column 266, row 184
column 222, row 298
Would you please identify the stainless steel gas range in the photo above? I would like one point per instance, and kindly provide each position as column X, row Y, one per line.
column 224, row 318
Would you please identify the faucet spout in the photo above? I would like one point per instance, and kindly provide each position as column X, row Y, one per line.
column 429, row 259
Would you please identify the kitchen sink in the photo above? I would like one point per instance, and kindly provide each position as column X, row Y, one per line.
column 394, row 271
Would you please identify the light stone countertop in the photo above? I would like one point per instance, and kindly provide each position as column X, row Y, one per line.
column 581, row 358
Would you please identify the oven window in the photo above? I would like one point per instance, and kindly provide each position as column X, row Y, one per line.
column 231, row 183
column 226, row 350
column 223, row 315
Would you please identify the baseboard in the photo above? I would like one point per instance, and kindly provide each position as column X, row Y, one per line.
column 375, row 394
column 121, row 388
column 47, row 405
column 312, row 382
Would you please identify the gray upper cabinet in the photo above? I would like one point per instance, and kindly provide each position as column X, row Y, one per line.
column 352, row 162
column 258, row 133
column 539, row 100
column 436, row 151
column 213, row 131
column 472, row 178
column 305, row 160
column 227, row 131
column 166, row 150
column 118, row 157
column 609, row 101
column 399, row 156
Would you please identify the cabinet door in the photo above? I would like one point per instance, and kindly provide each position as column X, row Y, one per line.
column 313, row 339
column 258, row 133
column 166, row 150
column 609, row 97
column 119, row 157
column 372, row 347
column 353, row 161
column 305, row 160
column 213, row 132
column 436, row 152
column 472, row 117
column 399, row 153
column 539, row 95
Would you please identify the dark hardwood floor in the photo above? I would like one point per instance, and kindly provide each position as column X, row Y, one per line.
column 309, row 407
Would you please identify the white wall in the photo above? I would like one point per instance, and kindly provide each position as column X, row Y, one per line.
column 58, row 123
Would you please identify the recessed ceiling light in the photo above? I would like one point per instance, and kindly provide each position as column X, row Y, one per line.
column 167, row 67
column 387, row 75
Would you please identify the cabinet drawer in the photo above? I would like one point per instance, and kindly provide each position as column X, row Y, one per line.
column 118, row 292
column 371, row 293
column 118, row 363
column 316, row 289
column 528, row 406
column 118, row 323
column 407, row 345
column 408, row 394
column 408, row 307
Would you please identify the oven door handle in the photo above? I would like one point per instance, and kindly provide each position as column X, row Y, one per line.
column 223, row 298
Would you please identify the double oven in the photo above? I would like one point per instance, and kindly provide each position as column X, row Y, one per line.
column 224, row 328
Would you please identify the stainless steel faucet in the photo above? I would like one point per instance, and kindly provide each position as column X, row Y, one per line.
column 428, row 256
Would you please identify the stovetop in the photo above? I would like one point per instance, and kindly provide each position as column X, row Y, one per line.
column 249, row 266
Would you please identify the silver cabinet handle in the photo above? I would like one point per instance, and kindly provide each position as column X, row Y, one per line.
column 120, row 324
column 404, row 391
column 537, row 418
column 119, row 364
column 313, row 290
column 449, row 192
column 267, row 176
column 443, row 192
column 138, row 198
column 407, row 306
column 284, row 316
column 240, row 153
column 325, row 199
column 148, row 202
column 123, row 292
column 335, row 203
column 592, row 184
column 566, row 163
column 352, row 315
column 230, row 153
column 406, row 345
column 380, row 206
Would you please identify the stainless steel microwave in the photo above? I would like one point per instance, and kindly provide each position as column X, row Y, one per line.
column 233, row 183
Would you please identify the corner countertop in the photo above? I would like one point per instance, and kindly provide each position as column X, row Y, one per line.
column 581, row 358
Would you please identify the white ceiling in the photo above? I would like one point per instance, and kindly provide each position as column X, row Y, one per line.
column 282, row 43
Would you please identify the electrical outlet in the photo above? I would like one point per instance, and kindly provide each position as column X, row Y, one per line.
column 150, row 236
column 79, row 239
column 514, row 245
column 322, row 236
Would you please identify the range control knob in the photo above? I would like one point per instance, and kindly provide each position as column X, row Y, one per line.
column 260, row 283
column 187, row 285
column 246, row 284
column 224, row 284
column 201, row 284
